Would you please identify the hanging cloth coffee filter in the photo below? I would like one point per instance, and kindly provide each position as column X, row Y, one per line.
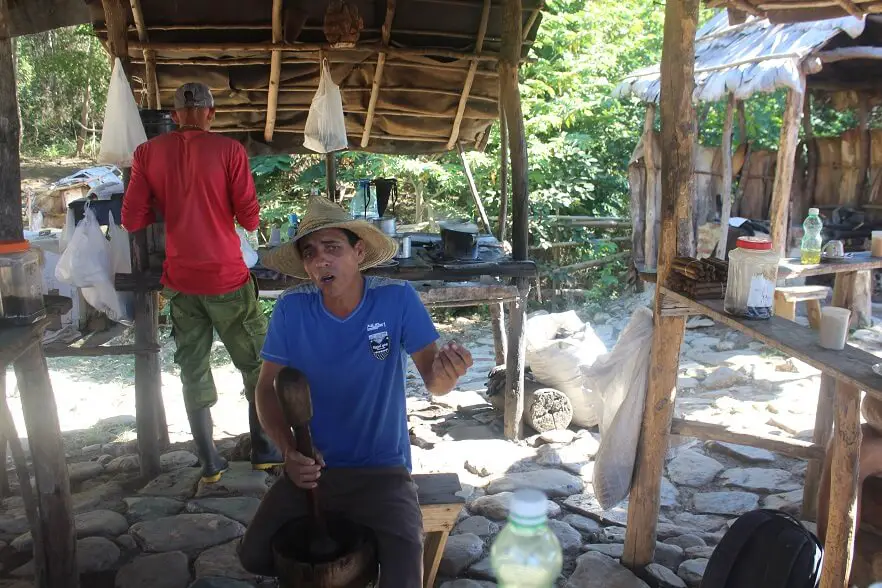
column 123, row 130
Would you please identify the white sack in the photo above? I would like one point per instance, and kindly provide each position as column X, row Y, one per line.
column 86, row 258
column 620, row 379
column 325, row 125
column 123, row 130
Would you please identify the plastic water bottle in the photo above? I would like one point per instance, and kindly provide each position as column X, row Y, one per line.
column 810, row 248
column 526, row 554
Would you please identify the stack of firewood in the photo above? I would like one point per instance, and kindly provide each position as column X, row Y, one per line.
column 699, row 278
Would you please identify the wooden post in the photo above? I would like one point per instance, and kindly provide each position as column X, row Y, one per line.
column 55, row 562
column 811, row 153
column 784, row 169
column 842, row 521
column 153, row 100
column 272, row 99
column 653, row 198
column 862, row 193
column 7, row 425
column 677, row 124
column 500, row 337
column 503, row 175
column 11, row 226
column 331, row 176
column 726, row 190
column 515, row 363
column 473, row 188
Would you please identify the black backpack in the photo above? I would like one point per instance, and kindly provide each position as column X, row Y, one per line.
column 765, row 549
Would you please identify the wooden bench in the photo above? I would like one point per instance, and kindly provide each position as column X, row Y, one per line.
column 786, row 298
column 440, row 506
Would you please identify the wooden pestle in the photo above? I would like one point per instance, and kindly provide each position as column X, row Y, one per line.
column 292, row 390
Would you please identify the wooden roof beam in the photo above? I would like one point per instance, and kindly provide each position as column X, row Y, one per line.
column 378, row 73
column 153, row 100
column 275, row 72
column 117, row 31
column 470, row 78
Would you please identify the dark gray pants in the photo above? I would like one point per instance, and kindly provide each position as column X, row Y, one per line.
column 381, row 499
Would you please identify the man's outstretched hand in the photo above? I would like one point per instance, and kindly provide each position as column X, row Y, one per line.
column 451, row 362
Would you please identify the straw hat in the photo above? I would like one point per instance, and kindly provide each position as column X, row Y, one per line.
column 321, row 213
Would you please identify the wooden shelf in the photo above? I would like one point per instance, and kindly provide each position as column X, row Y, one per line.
column 790, row 268
column 851, row 365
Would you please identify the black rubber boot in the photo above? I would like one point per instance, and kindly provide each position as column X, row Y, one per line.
column 213, row 465
column 264, row 453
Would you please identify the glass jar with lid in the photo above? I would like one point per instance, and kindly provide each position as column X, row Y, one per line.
column 753, row 273
column 21, row 285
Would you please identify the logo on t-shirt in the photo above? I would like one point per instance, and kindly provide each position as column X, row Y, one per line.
column 379, row 344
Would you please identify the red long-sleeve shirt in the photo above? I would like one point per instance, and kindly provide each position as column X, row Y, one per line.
column 199, row 182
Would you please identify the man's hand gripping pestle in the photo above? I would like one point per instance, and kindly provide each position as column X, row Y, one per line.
column 292, row 389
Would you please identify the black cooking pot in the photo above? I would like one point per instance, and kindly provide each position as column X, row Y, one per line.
column 459, row 240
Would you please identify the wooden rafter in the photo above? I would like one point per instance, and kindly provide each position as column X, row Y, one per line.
column 470, row 77
column 378, row 73
column 351, row 110
column 117, row 31
column 275, row 73
column 149, row 57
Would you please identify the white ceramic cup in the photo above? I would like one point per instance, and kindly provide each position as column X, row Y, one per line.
column 834, row 328
column 876, row 244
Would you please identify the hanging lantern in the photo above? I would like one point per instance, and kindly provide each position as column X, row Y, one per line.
column 343, row 24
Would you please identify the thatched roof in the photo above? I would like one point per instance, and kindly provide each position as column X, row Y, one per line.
column 419, row 103
column 755, row 56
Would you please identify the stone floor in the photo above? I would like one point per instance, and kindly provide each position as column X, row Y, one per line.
column 177, row 533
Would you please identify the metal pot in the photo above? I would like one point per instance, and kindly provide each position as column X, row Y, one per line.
column 403, row 247
column 459, row 240
column 386, row 224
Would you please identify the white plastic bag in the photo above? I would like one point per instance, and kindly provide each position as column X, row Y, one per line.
column 249, row 255
column 118, row 306
column 86, row 259
column 68, row 230
column 620, row 379
column 123, row 130
column 325, row 126
column 558, row 363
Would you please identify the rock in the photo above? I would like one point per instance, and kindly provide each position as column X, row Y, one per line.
column 222, row 561
column 612, row 535
column 104, row 459
column 163, row 570
column 218, row 582
column 460, row 552
column 12, row 526
column 684, row 383
column 721, row 378
column 99, row 523
column 595, row 570
column 582, row 524
column 466, row 583
column 239, row 480
column 496, row 457
column 670, row 496
column 668, row 555
column 238, row 508
column 477, row 525
column 177, row 459
column 705, row 523
column 586, row 504
column 759, row 479
column 179, row 483
column 664, row 577
column 557, row 436
column 789, row 502
column 483, row 569
column 725, row 346
column 94, row 554
column 84, row 470
column 690, row 468
column 699, row 552
column 106, row 496
column 741, row 452
column 725, row 503
column 127, row 542
column 569, row 538
column 699, row 322
column 145, row 508
column 704, row 342
column 187, row 532
column 124, row 463
column 692, row 571
column 554, row 483
column 496, row 506
column 686, row 541
column 613, row 550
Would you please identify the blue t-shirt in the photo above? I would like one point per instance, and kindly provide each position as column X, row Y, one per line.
column 355, row 367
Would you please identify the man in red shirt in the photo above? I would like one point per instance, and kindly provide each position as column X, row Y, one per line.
column 199, row 183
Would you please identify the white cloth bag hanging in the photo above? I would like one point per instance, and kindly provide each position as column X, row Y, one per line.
column 325, row 125
column 123, row 130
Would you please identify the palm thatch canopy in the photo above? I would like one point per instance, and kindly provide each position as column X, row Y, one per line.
column 421, row 76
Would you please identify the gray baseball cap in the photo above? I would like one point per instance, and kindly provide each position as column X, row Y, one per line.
column 193, row 95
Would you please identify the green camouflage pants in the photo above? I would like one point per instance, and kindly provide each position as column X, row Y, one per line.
column 241, row 327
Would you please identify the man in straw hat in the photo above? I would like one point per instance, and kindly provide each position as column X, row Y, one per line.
column 199, row 182
column 350, row 335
